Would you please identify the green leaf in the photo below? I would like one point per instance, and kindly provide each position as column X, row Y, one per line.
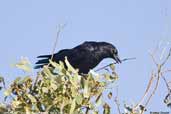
column 107, row 77
column 15, row 103
column 73, row 82
column 17, row 80
column 53, row 86
column 110, row 95
column 47, row 71
column 33, row 100
column 73, row 104
column 7, row 92
column 86, row 89
column 24, row 65
column 3, row 108
column 45, row 89
column 79, row 99
column 99, row 100
column 26, row 78
column 58, row 67
column 1, row 79
column 70, row 68
column 95, row 112
column 112, row 67
column 106, row 108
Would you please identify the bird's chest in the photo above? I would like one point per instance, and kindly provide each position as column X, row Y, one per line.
column 84, row 60
column 87, row 62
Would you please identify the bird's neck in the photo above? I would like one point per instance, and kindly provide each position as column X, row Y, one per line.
column 102, row 53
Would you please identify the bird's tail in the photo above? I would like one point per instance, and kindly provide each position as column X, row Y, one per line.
column 44, row 56
column 40, row 63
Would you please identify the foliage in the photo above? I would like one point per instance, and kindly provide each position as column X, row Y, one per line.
column 65, row 91
column 59, row 90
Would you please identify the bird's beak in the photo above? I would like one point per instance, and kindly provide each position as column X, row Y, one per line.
column 117, row 59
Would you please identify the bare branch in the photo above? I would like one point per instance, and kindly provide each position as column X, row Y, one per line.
column 155, row 88
column 117, row 101
column 56, row 41
column 147, row 90
column 154, row 60
column 159, row 74
column 114, row 63
column 166, row 58
column 167, row 85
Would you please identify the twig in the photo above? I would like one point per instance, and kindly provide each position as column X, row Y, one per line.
column 156, row 85
column 56, row 41
column 117, row 101
column 62, row 107
column 3, row 82
column 159, row 74
column 114, row 63
column 154, row 60
column 146, row 91
column 87, row 110
column 165, row 71
column 166, row 58
column 167, row 85
column 153, row 92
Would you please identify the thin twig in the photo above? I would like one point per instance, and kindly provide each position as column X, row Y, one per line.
column 146, row 91
column 153, row 92
column 56, row 41
column 154, row 60
column 114, row 63
column 87, row 110
column 159, row 74
column 167, row 85
column 166, row 71
column 117, row 101
column 62, row 107
column 166, row 58
column 3, row 83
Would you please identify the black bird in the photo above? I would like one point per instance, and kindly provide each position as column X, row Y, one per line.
column 85, row 56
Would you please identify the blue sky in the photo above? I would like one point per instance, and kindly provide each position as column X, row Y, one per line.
column 28, row 28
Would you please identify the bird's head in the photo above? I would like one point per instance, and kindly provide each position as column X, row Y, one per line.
column 114, row 54
column 109, row 50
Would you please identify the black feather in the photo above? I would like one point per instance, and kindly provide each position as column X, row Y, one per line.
column 44, row 56
column 43, row 61
column 84, row 57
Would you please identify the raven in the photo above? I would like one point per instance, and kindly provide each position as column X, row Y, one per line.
column 85, row 56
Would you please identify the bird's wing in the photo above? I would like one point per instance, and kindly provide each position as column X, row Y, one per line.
column 80, row 55
column 57, row 56
column 60, row 56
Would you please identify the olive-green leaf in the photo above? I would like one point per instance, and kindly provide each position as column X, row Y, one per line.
column 106, row 108
column 86, row 89
column 24, row 65
column 33, row 100
column 73, row 104
column 99, row 100
column 53, row 86
column 95, row 112
column 79, row 99
column 45, row 89
column 7, row 92
column 112, row 67
column 70, row 68
column 110, row 95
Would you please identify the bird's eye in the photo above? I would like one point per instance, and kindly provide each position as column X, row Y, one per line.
column 115, row 51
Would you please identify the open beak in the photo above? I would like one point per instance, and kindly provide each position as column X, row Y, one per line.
column 117, row 59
